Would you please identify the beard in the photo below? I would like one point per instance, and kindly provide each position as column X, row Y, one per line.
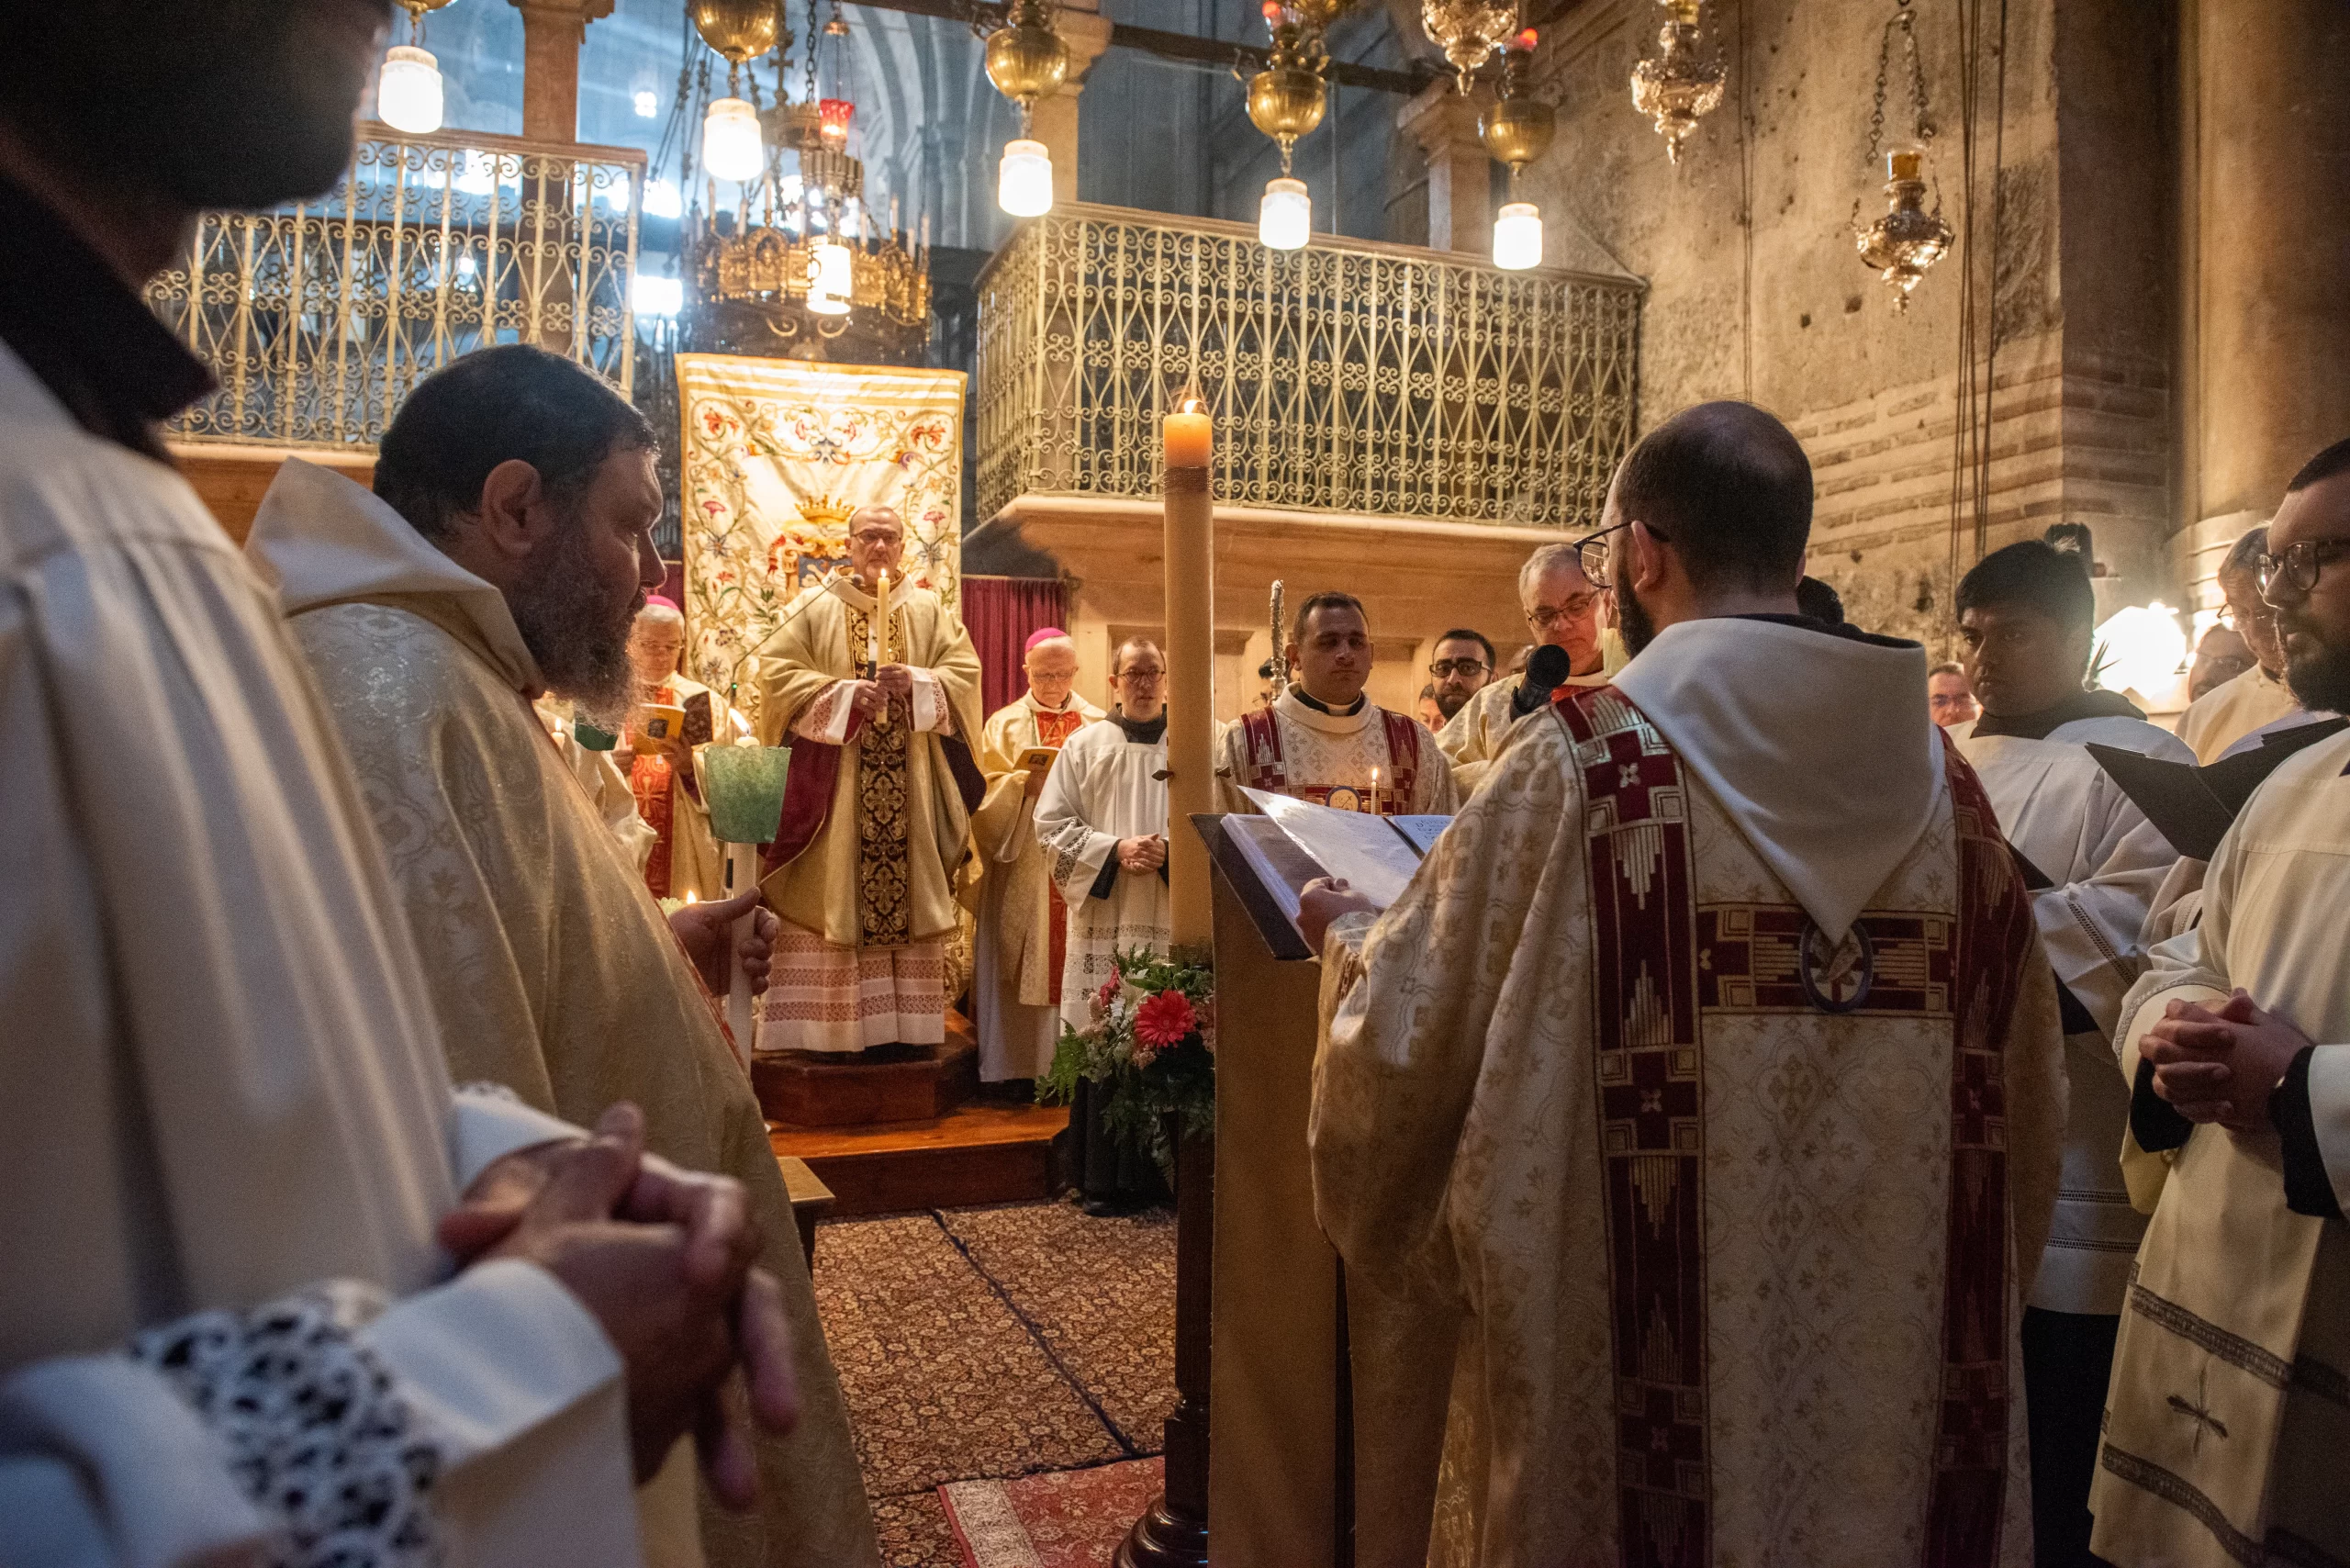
column 566, row 620
column 2322, row 681
column 1448, row 705
column 1632, row 618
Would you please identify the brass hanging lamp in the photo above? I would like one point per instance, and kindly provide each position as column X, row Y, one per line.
column 741, row 30
column 1286, row 100
column 1903, row 244
column 1469, row 31
column 1517, row 129
column 1683, row 84
column 1027, row 61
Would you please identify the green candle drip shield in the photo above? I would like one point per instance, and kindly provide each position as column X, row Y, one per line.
column 745, row 785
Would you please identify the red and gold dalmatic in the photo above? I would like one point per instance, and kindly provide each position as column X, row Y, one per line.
column 685, row 858
column 1717, row 1210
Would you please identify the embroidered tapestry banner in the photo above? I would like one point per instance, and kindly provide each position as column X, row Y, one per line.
column 774, row 455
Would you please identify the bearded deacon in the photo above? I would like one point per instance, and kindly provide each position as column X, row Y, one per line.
column 1324, row 740
column 1561, row 606
column 880, row 706
column 2229, row 1415
column 505, row 555
column 1689, row 1125
column 1023, row 922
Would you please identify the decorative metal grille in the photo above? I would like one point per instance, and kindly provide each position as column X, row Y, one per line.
column 1347, row 376
column 319, row 317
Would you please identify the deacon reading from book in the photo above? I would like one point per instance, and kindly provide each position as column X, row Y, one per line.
column 671, row 717
column 504, row 552
column 2026, row 618
column 1023, row 922
column 881, row 708
column 1704, row 1088
column 1563, row 607
column 1103, row 823
column 2228, row 1421
column 1323, row 740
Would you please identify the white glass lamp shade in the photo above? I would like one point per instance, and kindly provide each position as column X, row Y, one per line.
column 1518, row 237
column 730, row 141
column 1023, row 185
column 407, row 90
column 832, row 285
column 1285, row 217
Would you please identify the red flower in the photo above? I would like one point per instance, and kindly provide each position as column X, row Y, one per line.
column 1166, row 1019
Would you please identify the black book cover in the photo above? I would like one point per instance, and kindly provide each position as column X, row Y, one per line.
column 2192, row 806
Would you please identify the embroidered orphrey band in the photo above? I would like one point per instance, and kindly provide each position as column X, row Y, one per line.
column 1651, row 1098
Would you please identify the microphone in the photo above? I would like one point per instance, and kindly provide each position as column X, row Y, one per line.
column 1547, row 671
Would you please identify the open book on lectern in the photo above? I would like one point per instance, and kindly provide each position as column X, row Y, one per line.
column 1296, row 841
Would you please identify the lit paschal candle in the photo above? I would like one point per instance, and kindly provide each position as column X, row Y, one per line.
column 1191, row 436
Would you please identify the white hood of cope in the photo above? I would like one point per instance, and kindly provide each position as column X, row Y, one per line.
column 1819, row 748
column 321, row 539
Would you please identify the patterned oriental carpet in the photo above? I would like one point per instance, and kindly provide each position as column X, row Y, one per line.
column 996, row 1344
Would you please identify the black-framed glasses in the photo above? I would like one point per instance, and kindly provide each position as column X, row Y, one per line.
column 1592, row 550
column 2299, row 566
column 1442, row 668
column 1545, row 616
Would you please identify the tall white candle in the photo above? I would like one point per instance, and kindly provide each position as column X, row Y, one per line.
column 873, row 623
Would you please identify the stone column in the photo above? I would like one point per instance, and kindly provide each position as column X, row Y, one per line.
column 553, row 31
column 1087, row 32
column 2266, row 188
column 1461, row 199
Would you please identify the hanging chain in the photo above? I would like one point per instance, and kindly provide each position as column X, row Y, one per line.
column 1922, row 127
column 813, row 34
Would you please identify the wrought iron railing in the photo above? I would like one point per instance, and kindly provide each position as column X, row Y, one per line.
column 319, row 316
column 1347, row 376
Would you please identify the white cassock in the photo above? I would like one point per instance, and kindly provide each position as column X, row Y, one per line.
column 2066, row 815
column 2228, row 1422
column 1105, row 787
column 2231, row 709
column 1689, row 1129
column 1472, row 739
column 1361, row 760
column 223, row 1091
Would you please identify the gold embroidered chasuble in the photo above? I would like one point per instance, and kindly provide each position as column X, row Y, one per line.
column 1675, row 1232
column 552, row 969
column 2229, row 1415
column 1336, row 759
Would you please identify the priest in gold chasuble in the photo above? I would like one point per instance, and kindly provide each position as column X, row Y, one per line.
column 881, row 712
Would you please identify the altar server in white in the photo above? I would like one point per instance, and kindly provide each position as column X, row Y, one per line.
column 2227, row 1433
column 1103, row 823
column 230, row 1331
column 2026, row 619
column 1689, row 1127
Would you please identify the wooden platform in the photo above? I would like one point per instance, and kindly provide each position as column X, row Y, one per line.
column 803, row 1090
column 982, row 1153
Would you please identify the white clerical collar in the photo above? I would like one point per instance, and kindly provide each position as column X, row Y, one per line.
column 846, row 587
column 1295, row 706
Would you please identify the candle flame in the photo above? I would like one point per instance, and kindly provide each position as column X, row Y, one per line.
column 1524, row 42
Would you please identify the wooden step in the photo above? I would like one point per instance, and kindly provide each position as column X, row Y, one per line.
column 803, row 1089
column 987, row 1152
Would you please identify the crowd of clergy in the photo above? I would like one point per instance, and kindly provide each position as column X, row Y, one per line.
column 1803, row 1111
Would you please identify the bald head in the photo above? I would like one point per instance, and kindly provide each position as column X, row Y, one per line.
column 1730, row 489
column 877, row 544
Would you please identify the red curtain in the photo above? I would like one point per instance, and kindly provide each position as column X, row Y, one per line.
column 1001, row 613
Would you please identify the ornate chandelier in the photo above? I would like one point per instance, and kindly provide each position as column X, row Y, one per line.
column 1517, row 131
column 1026, row 60
column 1901, row 245
column 799, row 266
column 1469, row 31
column 1681, row 86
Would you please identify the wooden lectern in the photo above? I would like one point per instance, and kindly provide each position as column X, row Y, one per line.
column 1280, row 1450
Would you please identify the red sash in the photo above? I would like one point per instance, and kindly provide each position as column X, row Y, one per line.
column 1648, row 1058
column 1261, row 746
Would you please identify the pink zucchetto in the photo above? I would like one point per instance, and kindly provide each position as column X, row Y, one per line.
column 1048, row 634
column 663, row 599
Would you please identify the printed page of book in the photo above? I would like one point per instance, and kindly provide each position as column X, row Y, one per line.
column 1362, row 849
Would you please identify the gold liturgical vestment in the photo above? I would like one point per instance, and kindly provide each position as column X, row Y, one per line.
column 867, row 904
column 551, row 966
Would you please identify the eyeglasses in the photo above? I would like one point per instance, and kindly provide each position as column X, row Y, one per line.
column 2264, row 616
column 1142, row 677
column 1593, row 551
column 1579, row 608
column 2299, row 566
column 1444, row 667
